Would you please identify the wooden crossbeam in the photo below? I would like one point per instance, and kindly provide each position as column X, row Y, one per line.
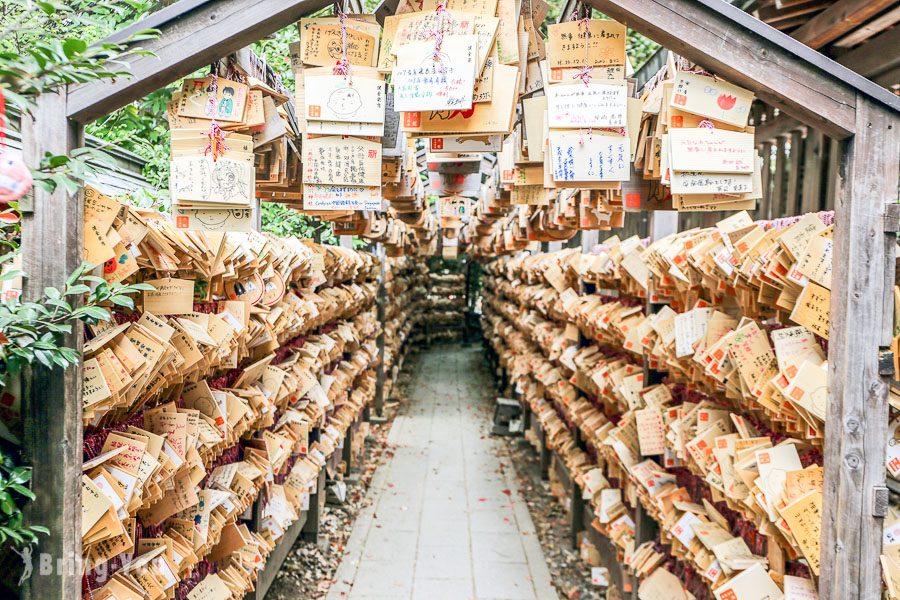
column 873, row 27
column 774, row 14
column 195, row 34
column 879, row 54
column 838, row 19
column 747, row 52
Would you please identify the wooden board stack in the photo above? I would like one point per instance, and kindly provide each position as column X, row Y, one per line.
column 705, row 416
column 446, row 307
column 242, row 345
column 405, row 305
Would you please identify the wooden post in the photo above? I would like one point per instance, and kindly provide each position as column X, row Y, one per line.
column 855, row 496
column 832, row 173
column 576, row 525
column 380, row 304
column 347, row 450
column 792, row 202
column 310, row 532
column 52, row 248
column 812, row 172
column 662, row 223
column 765, row 151
column 776, row 202
column 545, row 453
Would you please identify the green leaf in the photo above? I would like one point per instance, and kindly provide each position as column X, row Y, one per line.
column 12, row 274
column 125, row 301
column 141, row 287
column 95, row 312
column 40, row 529
column 13, row 534
column 24, row 491
column 43, row 345
column 77, row 289
column 56, row 160
column 47, row 7
column 20, row 475
column 73, row 47
column 44, row 357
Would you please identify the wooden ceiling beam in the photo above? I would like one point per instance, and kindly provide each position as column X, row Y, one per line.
column 873, row 27
column 773, row 14
column 193, row 34
column 838, row 19
column 789, row 23
column 879, row 54
column 889, row 79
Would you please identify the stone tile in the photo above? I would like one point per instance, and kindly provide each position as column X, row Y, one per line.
column 398, row 513
column 442, row 509
column 445, row 561
column 439, row 532
column 384, row 578
column 399, row 545
column 443, row 589
column 400, row 501
column 508, row 581
column 497, row 547
column 493, row 519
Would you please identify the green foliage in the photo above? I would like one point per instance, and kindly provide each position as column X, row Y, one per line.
column 33, row 331
column 13, row 492
column 44, row 46
column 141, row 128
column 282, row 221
column 639, row 48
column 275, row 49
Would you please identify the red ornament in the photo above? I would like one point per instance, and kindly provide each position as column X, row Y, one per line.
column 15, row 178
column 726, row 101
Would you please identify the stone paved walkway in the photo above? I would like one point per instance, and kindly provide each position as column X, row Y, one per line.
column 446, row 521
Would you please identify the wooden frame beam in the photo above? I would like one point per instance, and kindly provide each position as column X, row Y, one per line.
column 52, row 407
column 194, row 34
column 838, row 19
column 749, row 53
column 861, row 318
